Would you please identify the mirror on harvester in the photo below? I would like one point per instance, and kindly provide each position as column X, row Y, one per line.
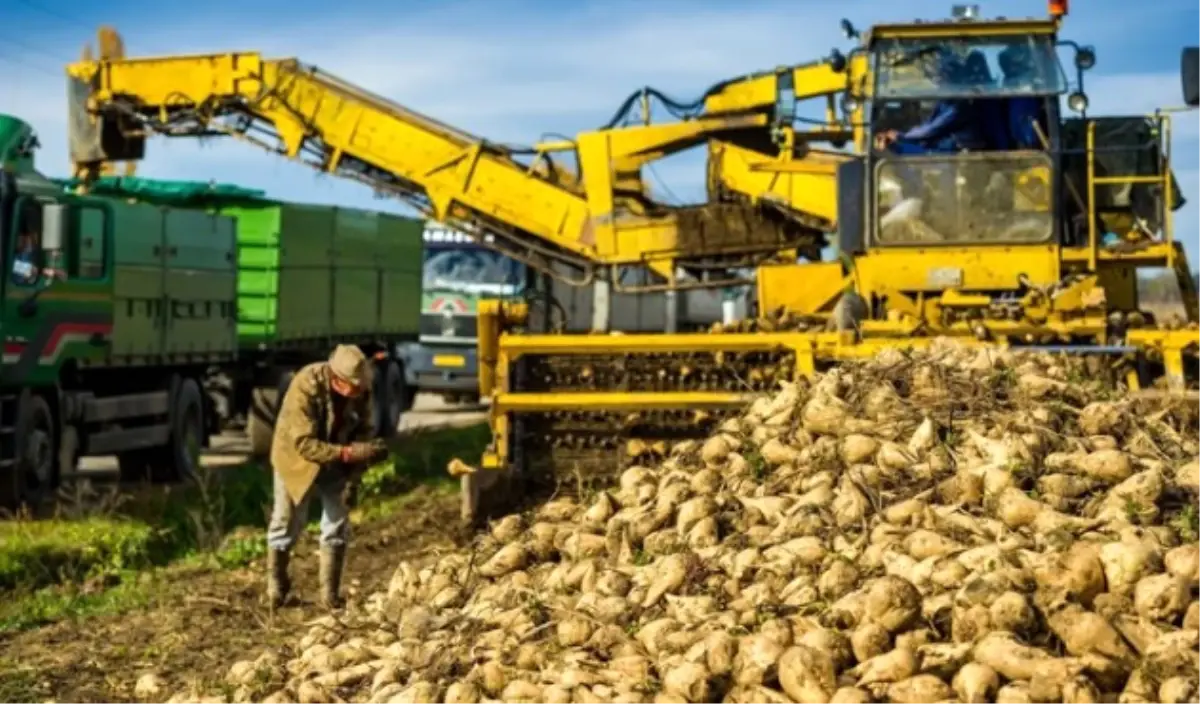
column 1190, row 73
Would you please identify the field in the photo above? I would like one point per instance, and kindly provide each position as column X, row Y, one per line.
column 170, row 581
column 949, row 525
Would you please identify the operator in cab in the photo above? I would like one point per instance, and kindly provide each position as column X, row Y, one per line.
column 27, row 255
column 951, row 127
column 1023, row 114
column 324, row 439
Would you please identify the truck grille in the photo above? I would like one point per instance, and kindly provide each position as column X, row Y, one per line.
column 434, row 324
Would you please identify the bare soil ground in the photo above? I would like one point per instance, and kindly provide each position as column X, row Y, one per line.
column 199, row 619
column 202, row 620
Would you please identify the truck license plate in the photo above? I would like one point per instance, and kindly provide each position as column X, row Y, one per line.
column 449, row 360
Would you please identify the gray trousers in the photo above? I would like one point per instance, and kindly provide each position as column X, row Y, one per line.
column 288, row 519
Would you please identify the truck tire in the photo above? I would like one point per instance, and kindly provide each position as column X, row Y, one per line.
column 390, row 393
column 259, row 432
column 260, row 420
column 35, row 474
column 264, row 410
column 179, row 459
column 134, row 465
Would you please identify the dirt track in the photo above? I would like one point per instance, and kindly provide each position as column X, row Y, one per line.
column 199, row 620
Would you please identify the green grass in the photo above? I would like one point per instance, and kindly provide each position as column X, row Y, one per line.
column 71, row 567
column 68, row 601
column 37, row 553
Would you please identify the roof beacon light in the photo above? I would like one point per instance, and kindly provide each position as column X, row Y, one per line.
column 1058, row 8
column 965, row 12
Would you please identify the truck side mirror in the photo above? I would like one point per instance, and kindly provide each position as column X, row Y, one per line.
column 54, row 226
column 1190, row 74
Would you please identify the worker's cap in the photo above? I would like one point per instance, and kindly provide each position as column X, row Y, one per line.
column 349, row 364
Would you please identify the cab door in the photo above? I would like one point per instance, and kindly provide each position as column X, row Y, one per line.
column 57, row 302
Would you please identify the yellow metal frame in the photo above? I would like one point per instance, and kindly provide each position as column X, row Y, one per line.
column 950, row 30
column 461, row 178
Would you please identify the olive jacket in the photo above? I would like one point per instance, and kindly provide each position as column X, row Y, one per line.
column 304, row 441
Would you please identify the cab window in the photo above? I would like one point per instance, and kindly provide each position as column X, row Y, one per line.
column 27, row 255
column 971, row 67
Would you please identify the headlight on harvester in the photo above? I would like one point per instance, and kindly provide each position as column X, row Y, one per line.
column 1077, row 101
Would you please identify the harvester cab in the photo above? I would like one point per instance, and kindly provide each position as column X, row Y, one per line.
column 985, row 199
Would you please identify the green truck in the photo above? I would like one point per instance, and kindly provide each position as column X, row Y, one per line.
column 143, row 317
column 457, row 274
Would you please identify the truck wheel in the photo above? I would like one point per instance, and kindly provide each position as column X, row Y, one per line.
column 390, row 394
column 134, row 465
column 36, row 471
column 180, row 459
column 264, row 410
column 260, row 420
column 260, row 433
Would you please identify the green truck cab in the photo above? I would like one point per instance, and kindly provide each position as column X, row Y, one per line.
column 143, row 317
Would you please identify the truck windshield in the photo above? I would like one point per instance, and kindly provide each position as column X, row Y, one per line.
column 472, row 269
column 930, row 69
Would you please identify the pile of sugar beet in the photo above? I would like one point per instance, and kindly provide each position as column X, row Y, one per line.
column 955, row 524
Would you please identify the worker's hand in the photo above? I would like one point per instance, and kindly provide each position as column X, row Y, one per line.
column 364, row 452
column 884, row 139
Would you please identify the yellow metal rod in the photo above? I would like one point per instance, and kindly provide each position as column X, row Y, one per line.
column 1122, row 180
column 617, row 401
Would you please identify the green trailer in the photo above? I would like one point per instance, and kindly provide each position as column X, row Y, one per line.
column 310, row 277
column 143, row 317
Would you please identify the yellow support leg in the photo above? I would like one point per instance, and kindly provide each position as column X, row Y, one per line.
column 1173, row 366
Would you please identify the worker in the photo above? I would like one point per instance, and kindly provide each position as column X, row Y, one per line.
column 28, row 247
column 28, row 252
column 992, row 113
column 1024, row 114
column 323, row 440
column 951, row 127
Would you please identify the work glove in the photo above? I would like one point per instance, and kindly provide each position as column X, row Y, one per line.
column 364, row 452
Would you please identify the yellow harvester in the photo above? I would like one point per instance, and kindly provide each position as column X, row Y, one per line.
column 1034, row 243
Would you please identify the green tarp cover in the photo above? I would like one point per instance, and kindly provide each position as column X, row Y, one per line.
column 183, row 194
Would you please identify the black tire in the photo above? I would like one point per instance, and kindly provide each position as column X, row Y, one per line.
column 260, row 421
column 260, row 433
column 390, row 398
column 134, row 465
column 264, row 411
column 35, row 474
column 180, row 458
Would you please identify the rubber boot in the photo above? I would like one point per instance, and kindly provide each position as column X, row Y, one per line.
column 278, row 584
column 333, row 559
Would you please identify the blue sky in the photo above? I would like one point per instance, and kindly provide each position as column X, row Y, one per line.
column 513, row 71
